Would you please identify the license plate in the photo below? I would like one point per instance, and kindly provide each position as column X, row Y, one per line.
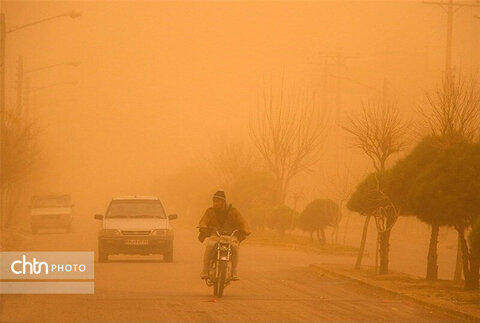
column 136, row 242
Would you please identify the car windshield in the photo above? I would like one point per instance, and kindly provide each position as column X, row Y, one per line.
column 136, row 209
column 51, row 201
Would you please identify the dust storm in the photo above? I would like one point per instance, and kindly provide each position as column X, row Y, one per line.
column 316, row 144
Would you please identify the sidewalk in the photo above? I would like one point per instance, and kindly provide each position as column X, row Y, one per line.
column 442, row 295
column 299, row 242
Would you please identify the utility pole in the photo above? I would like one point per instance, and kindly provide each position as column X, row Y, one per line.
column 27, row 99
column 19, row 106
column 385, row 91
column 451, row 7
column 340, row 60
column 448, row 53
column 325, row 85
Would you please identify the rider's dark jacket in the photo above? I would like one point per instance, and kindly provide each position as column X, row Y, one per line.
column 228, row 220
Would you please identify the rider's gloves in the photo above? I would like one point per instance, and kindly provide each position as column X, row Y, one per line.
column 203, row 234
column 201, row 237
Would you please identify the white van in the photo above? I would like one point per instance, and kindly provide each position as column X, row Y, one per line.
column 51, row 212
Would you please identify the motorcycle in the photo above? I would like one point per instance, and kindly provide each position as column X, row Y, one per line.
column 220, row 267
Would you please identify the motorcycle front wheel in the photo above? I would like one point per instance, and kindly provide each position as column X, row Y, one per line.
column 222, row 275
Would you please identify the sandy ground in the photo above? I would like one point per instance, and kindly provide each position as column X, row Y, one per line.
column 277, row 286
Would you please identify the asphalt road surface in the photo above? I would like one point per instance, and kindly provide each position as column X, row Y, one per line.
column 276, row 285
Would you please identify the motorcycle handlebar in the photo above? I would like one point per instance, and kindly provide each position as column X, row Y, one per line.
column 219, row 233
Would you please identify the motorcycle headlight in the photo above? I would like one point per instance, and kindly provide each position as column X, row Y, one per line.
column 109, row 232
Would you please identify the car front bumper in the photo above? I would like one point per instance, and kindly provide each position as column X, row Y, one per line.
column 143, row 245
column 55, row 221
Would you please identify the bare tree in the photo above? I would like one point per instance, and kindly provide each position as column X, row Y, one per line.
column 379, row 131
column 452, row 114
column 230, row 159
column 20, row 153
column 453, row 109
column 341, row 186
column 288, row 131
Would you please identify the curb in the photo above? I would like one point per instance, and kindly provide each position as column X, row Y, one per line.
column 307, row 248
column 451, row 311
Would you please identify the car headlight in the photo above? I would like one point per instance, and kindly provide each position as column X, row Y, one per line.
column 109, row 232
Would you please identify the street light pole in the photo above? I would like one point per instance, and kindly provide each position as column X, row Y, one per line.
column 72, row 14
column 3, row 34
column 73, row 63
column 22, row 72
column 448, row 54
column 73, row 83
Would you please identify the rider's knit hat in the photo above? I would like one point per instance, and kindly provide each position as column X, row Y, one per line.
column 220, row 194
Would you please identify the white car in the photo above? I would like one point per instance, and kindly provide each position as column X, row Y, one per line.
column 135, row 225
column 51, row 212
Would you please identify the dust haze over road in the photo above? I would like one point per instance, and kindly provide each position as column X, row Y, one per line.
column 277, row 285
column 162, row 89
column 172, row 79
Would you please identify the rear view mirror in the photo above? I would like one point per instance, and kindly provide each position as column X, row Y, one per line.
column 172, row 216
column 98, row 216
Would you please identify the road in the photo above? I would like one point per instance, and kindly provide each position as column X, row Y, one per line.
column 276, row 285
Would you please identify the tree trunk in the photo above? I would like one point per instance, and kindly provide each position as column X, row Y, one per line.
column 321, row 236
column 432, row 267
column 474, row 271
column 457, row 276
column 4, row 203
column 361, row 250
column 465, row 259
column 384, row 248
column 12, row 204
column 346, row 229
column 324, row 240
column 311, row 236
column 335, row 234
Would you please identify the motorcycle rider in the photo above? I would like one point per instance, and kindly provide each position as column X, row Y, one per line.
column 223, row 218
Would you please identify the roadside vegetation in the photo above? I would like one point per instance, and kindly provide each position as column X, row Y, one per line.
column 439, row 180
column 20, row 153
column 19, row 157
column 429, row 170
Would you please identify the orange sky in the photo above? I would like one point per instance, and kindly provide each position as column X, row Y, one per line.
column 160, row 80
